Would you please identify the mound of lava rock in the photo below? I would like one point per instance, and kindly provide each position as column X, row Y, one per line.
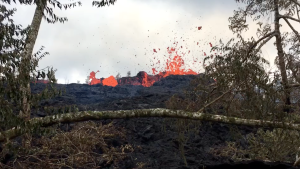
column 158, row 149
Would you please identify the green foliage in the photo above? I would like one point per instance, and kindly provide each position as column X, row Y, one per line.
column 12, row 46
column 276, row 145
column 243, row 86
column 239, row 72
column 13, row 40
column 103, row 3
column 271, row 145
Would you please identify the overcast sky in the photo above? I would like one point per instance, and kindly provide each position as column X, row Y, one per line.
column 121, row 37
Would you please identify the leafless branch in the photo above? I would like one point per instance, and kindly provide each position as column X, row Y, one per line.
column 296, row 32
column 263, row 43
column 271, row 34
column 289, row 17
column 268, row 36
column 218, row 98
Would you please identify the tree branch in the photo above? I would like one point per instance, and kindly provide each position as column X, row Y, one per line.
column 288, row 17
column 296, row 32
column 263, row 43
column 268, row 36
column 202, row 109
column 158, row 112
column 271, row 34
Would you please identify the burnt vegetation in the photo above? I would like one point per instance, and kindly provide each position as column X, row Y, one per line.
column 235, row 84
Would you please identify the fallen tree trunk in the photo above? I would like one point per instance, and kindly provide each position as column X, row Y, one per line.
column 120, row 114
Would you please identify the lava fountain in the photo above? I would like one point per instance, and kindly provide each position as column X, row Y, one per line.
column 174, row 66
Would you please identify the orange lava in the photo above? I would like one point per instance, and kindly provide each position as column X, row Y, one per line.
column 174, row 66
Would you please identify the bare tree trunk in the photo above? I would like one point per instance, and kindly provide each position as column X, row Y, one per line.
column 281, row 58
column 30, row 42
column 157, row 112
column 25, row 64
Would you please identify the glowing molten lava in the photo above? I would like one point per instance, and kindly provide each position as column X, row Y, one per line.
column 173, row 67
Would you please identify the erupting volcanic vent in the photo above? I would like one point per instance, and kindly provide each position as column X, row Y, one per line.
column 174, row 66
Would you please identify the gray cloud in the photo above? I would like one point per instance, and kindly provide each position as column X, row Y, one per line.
column 122, row 37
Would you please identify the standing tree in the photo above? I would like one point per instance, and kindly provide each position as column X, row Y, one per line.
column 17, row 53
column 118, row 76
column 241, row 76
column 87, row 80
column 244, row 88
column 12, row 45
column 239, row 72
column 128, row 74
column 281, row 10
column 41, row 7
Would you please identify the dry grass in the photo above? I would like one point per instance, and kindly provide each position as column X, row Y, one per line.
column 276, row 145
column 87, row 145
